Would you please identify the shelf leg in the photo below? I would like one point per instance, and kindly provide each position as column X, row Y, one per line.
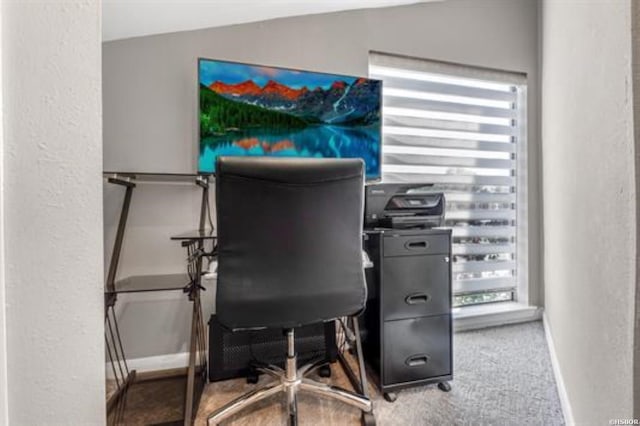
column 117, row 245
column 191, row 373
column 197, row 334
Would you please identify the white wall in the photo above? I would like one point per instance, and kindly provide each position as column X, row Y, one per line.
column 635, row 53
column 4, row 399
column 150, row 99
column 51, row 173
column 589, row 202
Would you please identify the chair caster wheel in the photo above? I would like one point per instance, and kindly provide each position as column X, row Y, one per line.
column 253, row 377
column 367, row 419
column 293, row 420
column 444, row 386
column 324, row 371
column 390, row 396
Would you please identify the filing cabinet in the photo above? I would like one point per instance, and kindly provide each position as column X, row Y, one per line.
column 407, row 327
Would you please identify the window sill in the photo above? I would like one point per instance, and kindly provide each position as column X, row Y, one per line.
column 493, row 314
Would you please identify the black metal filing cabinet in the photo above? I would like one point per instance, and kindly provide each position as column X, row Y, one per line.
column 407, row 329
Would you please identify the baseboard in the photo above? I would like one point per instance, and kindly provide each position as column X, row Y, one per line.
column 492, row 315
column 555, row 364
column 154, row 363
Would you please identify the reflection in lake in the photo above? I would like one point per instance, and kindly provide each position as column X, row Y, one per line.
column 314, row 141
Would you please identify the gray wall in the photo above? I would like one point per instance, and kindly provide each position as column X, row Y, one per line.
column 52, row 213
column 587, row 135
column 150, row 121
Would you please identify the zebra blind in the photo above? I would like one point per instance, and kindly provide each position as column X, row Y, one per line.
column 462, row 131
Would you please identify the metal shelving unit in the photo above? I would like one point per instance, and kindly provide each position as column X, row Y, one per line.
column 179, row 390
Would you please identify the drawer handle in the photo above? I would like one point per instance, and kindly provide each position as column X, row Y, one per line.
column 417, row 245
column 417, row 360
column 416, row 298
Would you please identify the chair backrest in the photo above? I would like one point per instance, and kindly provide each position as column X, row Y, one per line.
column 289, row 241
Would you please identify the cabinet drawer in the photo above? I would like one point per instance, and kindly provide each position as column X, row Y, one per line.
column 411, row 245
column 417, row 349
column 415, row 286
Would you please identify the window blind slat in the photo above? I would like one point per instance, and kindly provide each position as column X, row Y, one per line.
column 446, row 134
column 464, row 189
column 483, row 284
column 481, row 231
column 445, row 152
column 460, row 126
column 472, row 196
column 492, row 104
column 418, row 156
column 421, row 69
column 482, row 248
column 443, row 170
column 447, row 143
column 399, row 173
column 445, row 89
column 477, row 214
column 471, row 119
column 482, row 266
column 427, row 105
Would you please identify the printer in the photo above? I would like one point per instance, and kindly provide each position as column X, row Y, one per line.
column 403, row 205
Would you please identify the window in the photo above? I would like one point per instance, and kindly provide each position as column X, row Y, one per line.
column 463, row 129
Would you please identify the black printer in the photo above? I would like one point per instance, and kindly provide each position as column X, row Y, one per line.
column 403, row 205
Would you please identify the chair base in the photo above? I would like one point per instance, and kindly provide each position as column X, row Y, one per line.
column 290, row 381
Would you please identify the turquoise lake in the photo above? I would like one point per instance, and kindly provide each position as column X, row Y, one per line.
column 322, row 141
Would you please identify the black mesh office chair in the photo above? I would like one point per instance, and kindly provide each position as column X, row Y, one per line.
column 289, row 244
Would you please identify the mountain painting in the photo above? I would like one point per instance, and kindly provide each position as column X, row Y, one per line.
column 257, row 110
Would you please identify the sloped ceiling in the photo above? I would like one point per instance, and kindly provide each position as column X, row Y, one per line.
column 134, row 18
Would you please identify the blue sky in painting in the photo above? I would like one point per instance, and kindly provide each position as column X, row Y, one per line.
column 232, row 73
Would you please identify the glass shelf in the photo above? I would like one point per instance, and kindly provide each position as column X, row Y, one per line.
column 158, row 177
column 142, row 283
column 207, row 234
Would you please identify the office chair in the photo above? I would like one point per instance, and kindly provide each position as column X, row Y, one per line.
column 289, row 255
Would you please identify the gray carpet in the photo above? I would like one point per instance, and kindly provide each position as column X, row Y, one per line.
column 502, row 376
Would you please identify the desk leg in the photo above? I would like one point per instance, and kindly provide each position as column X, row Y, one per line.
column 194, row 349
